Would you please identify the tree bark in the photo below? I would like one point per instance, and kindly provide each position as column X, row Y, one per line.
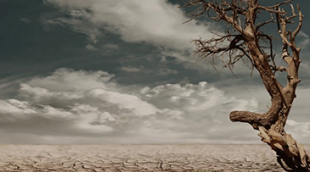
column 271, row 124
column 245, row 43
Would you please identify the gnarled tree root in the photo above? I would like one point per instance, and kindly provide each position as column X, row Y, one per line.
column 290, row 155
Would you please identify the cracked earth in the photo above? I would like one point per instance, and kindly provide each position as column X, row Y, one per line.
column 146, row 158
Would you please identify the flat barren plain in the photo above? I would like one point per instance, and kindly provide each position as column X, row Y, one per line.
column 144, row 158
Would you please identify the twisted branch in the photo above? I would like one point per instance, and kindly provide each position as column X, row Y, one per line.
column 243, row 41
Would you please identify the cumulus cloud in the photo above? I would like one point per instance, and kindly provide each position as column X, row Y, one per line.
column 71, row 106
column 154, row 22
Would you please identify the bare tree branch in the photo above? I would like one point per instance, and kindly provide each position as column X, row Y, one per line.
column 245, row 40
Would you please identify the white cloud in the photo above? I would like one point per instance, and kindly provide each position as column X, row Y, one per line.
column 193, row 98
column 158, row 23
column 80, row 104
column 73, row 80
column 155, row 22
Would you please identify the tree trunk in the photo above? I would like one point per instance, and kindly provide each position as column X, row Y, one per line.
column 245, row 37
column 290, row 154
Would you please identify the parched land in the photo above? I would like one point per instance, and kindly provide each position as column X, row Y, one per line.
column 95, row 158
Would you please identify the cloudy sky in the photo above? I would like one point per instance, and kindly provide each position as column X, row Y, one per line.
column 123, row 72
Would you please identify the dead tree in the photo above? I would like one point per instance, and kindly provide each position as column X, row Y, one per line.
column 246, row 40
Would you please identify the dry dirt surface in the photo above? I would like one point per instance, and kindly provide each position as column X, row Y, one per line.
column 127, row 158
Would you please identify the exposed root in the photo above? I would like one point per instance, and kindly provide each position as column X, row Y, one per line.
column 290, row 154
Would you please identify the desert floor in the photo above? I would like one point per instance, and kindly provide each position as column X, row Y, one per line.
column 93, row 158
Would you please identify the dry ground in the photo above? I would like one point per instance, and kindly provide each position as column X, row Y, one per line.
column 93, row 158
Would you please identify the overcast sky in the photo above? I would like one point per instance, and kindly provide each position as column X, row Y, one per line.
column 123, row 72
